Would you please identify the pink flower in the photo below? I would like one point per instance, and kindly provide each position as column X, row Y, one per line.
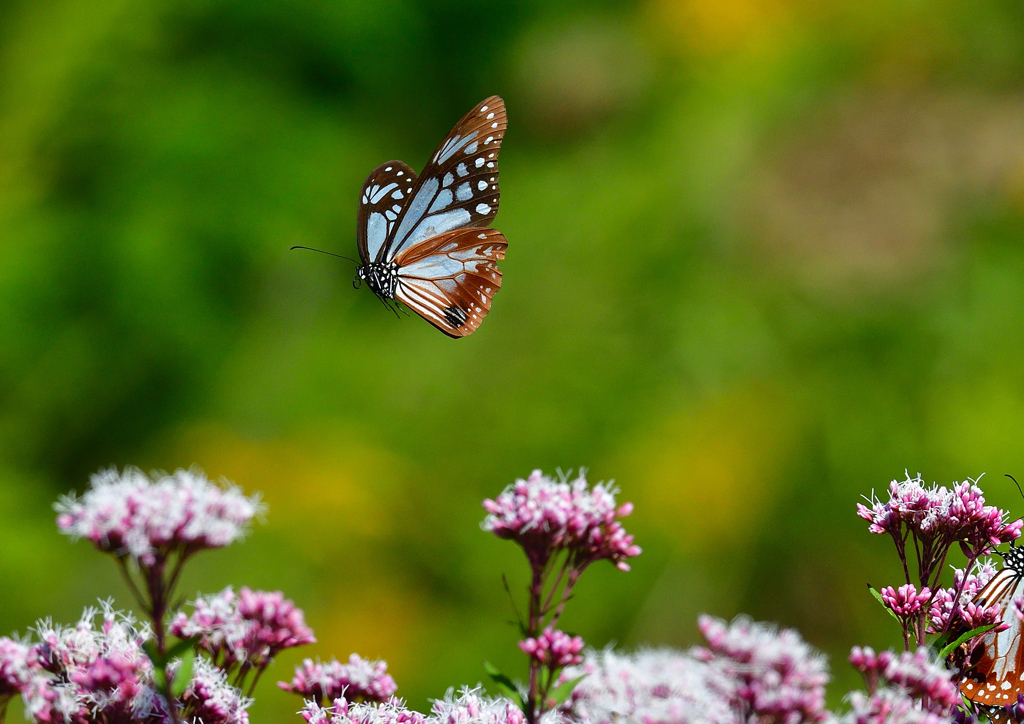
column 777, row 675
column 965, row 612
column 660, row 686
column 888, row 706
column 392, row 711
column 554, row 649
column 250, row 627
column 937, row 513
column 915, row 672
column 358, row 680
column 93, row 674
column 546, row 516
column 906, row 601
column 131, row 514
column 209, row 698
column 15, row 670
column 470, row 706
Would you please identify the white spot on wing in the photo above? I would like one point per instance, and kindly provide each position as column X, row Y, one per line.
column 490, row 116
column 461, row 169
column 464, row 192
column 472, row 148
column 478, row 163
column 483, row 209
column 398, row 195
column 448, row 178
column 481, row 185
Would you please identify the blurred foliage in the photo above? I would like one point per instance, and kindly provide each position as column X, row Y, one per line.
column 764, row 256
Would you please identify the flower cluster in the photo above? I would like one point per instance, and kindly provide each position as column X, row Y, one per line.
column 545, row 516
column 917, row 674
column 357, row 681
column 929, row 521
column 250, row 627
column 778, row 677
column 468, row 707
column 948, row 609
column 15, row 671
column 130, row 513
column 931, row 513
column 553, row 648
column 209, row 698
column 660, row 686
column 888, row 706
column 91, row 674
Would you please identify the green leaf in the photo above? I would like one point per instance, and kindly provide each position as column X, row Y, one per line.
column 151, row 651
column 160, row 678
column 878, row 597
column 183, row 676
column 181, row 647
column 564, row 691
column 964, row 638
column 505, row 684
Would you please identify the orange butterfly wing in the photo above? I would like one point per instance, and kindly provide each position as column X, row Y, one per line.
column 994, row 674
column 450, row 279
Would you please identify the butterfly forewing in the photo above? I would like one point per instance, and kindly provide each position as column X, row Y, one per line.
column 450, row 279
column 386, row 192
column 459, row 187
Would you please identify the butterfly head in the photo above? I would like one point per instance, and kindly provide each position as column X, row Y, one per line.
column 381, row 277
column 1013, row 558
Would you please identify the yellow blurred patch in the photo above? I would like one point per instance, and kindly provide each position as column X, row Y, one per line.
column 331, row 478
column 708, row 474
column 382, row 620
column 716, row 26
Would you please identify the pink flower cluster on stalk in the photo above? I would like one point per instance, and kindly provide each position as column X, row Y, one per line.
column 146, row 518
column 357, row 681
column 777, row 676
column 553, row 648
column 546, row 516
column 929, row 520
column 563, row 527
column 248, row 628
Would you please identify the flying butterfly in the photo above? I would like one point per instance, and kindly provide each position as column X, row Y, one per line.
column 993, row 674
column 425, row 241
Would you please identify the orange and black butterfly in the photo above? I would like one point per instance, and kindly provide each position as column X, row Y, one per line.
column 993, row 673
column 425, row 240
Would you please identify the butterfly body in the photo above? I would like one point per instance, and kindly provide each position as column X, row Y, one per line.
column 425, row 240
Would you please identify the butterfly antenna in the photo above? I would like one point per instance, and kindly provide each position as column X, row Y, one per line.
column 321, row 251
column 1015, row 483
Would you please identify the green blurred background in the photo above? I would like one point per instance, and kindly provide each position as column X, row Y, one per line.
column 764, row 255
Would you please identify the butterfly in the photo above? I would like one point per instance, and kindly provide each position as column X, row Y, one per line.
column 993, row 674
column 426, row 241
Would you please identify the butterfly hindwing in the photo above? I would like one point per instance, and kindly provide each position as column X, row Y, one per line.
column 386, row 192
column 459, row 187
column 450, row 279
